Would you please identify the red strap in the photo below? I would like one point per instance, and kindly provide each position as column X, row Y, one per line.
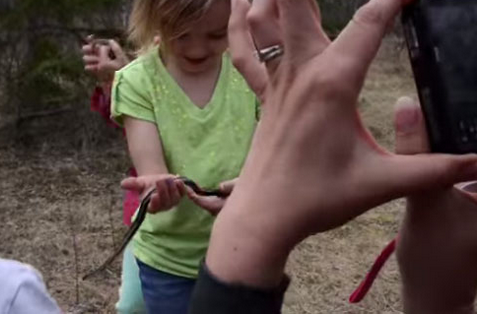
column 366, row 284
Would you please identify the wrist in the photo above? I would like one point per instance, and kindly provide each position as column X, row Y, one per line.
column 212, row 295
column 243, row 251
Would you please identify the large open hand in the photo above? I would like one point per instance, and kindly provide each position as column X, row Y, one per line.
column 313, row 165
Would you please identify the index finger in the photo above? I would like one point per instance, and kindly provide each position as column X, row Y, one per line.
column 361, row 38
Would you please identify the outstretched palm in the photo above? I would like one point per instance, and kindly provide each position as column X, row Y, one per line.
column 313, row 164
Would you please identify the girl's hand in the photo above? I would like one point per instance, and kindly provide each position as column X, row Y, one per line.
column 103, row 58
column 169, row 191
column 212, row 204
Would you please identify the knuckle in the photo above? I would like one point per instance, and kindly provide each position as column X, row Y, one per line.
column 339, row 73
column 239, row 61
column 326, row 81
column 256, row 16
column 253, row 18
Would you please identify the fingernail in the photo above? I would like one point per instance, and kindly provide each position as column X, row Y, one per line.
column 407, row 115
column 470, row 187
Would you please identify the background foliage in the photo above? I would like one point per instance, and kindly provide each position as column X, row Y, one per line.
column 44, row 92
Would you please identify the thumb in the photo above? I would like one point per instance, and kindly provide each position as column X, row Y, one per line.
column 228, row 186
column 423, row 172
column 157, row 40
column 133, row 184
column 104, row 52
column 107, row 64
column 89, row 39
column 411, row 134
column 118, row 51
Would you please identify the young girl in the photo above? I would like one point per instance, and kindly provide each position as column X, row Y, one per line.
column 187, row 112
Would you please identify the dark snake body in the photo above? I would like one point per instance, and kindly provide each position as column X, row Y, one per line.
column 141, row 215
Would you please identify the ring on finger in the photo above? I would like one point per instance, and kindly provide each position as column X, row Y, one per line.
column 269, row 53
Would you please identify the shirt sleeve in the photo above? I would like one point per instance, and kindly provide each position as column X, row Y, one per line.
column 131, row 95
column 29, row 294
column 212, row 296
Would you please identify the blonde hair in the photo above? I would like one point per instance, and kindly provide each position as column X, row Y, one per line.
column 167, row 18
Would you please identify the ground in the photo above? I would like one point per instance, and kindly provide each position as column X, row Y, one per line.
column 61, row 212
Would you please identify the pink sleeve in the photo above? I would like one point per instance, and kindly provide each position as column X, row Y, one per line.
column 101, row 103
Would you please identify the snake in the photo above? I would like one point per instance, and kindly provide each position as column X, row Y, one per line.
column 141, row 215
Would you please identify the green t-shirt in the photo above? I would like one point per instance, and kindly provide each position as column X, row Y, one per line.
column 207, row 145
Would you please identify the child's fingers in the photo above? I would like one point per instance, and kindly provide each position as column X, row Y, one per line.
column 192, row 195
column 104, row 53
column 212, row 204
column 91, row 68
column 155, row 203
column 132, row 184
column 181, row 186
column 90, row 59
column 163, row 191
column 174, row 192
column 157, row 40
column 228, row 186
column 87, row 49
column 118, row 51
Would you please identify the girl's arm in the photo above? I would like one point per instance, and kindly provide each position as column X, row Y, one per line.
column 145, row 149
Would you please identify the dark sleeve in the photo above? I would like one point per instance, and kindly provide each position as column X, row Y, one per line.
column 211, row 296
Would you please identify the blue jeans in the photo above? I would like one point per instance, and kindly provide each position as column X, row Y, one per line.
column 164, row 293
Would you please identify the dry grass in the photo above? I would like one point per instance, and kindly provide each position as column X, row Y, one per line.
column 50, row 203
column 51, row 200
